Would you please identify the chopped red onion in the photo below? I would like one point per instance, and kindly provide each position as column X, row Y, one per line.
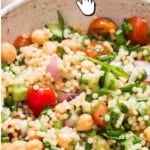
column 71, row 122
column 53, row 69
column 143, row 64
column 147, row 80
column 61, row 96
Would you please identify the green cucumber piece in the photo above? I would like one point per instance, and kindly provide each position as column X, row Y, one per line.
column 19, row 92
column 93, row 83
column 110, row 81
column 56, row 30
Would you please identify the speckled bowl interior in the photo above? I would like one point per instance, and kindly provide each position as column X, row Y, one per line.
column 26, row 15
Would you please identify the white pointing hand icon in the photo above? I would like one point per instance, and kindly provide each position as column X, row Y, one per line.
column 87, row 7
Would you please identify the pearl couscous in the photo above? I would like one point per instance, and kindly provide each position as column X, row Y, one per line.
column 64, row 89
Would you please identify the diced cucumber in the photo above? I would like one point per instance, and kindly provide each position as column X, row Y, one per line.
column 56, row 30
column 19, row 92
column 93, row 83
column 4, row 116
column 101, row 144
column 110, row 81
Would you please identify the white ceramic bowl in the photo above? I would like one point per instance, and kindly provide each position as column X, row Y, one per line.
column 25, row 15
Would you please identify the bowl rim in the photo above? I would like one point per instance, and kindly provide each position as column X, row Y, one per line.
column 14, row 4
column 11, row 6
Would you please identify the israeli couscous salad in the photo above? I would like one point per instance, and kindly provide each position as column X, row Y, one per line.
column 66, row 89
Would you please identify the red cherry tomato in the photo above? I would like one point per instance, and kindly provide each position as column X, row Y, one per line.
column 98, row 114
column 38, row 99
column 22, row 41
column 102, row 26
column 95, row 49
column 139, row 34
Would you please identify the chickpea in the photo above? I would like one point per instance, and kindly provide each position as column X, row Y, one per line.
column 9, row 52
column 147, row 134
column 39, row 36
column 85, row 122
column 139, row 55
column 19, row 145
column 31, row 134
column 5, row 146
column 50, row 47
column 64, row 140
column 34, row 144
column 71, row 44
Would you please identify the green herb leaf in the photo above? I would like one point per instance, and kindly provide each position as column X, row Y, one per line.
column 73, row 144
column 120, row 39
column 141, row 109
column 147, row 123
column 130, row 142
column 47, row 145
column 114, row 116
column 113, row 133
column 5, row 65
column 88, row 146
column 4, row 117
column 136, row 48
column 123, row 107
column 5, row 139
column 43, row 128
column 21, row 61
column 120, row 136
column 61, row 49
column 10, row 103
column 61, row 21
column 45, row 111
column 128, row 87
column 126, row 126
column 91, row 133
column 104, row 91
column 142, row 100
column 58, row 124
column 126, row 27
column 83, row 81
column 107, row 58
column 89, row 98
column 69, row 113
column 117, row 71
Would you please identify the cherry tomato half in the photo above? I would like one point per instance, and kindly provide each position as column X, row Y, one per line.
column 98, row 114
column 38, row 99
column 95, row 49
column 102, row 26
column 139, row 33
column 22, row 41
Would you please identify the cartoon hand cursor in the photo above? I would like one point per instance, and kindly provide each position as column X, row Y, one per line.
column 87, row 7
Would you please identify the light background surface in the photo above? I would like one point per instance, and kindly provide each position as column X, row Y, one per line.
column 5, row 2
